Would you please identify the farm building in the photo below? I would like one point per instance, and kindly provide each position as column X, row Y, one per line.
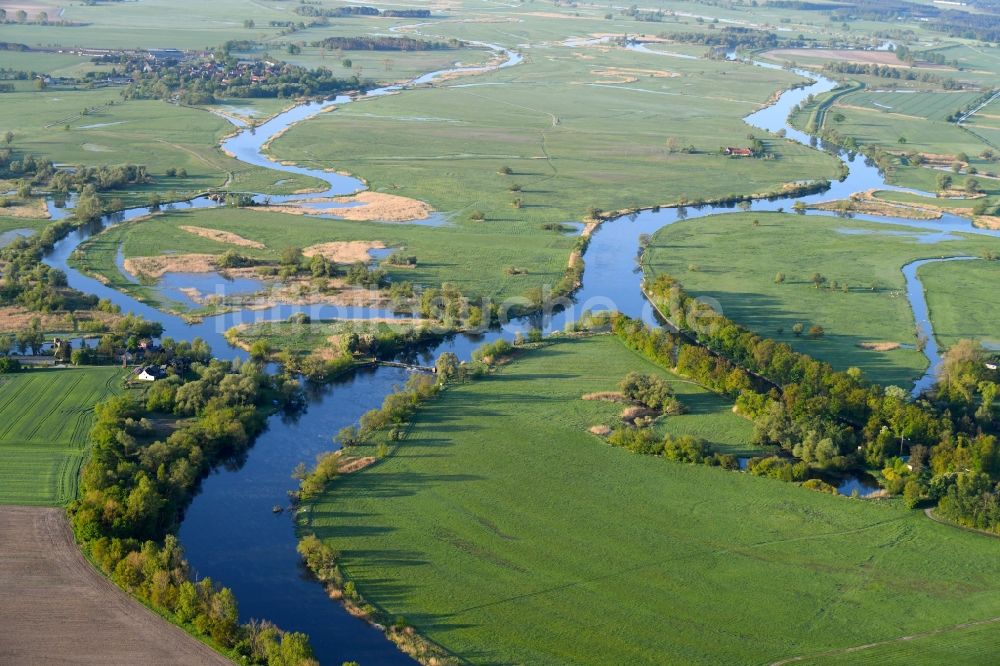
column 738, row 152
column 150, row 373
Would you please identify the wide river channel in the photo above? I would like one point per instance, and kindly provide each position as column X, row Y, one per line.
column 230, row 532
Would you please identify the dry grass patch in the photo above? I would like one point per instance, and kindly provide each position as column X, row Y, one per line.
column 629, row 74
column 15, row 318
column 631, row 414
column 987, row 222
column 33, row 209
column 600, row 430
column 158, row 266
column 375, row 207
column 879, row 346
column 219, row 236
column 344, row 252
column 607, row 396
column 349, row 465
column 869, row 205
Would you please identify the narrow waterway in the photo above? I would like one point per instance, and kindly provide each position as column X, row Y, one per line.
column 230, row 532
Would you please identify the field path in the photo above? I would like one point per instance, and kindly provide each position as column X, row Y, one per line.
column 56, row 608
column 900, row 639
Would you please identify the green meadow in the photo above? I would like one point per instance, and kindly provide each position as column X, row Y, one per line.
column 962, row 302
column 54, row 124
column 45, row 417
column 505, row 532
column 306, row 338
column 970, row 645
column 577, row 128
column 730, row 259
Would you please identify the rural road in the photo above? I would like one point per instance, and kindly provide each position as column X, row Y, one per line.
column 55, row 608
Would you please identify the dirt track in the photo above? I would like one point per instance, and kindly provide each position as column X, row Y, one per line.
column 55, row 608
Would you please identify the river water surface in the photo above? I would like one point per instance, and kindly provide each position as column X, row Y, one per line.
column 230, row 533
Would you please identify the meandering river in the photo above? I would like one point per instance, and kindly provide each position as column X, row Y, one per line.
column 230, row 533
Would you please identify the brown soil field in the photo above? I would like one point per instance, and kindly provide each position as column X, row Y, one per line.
column 848, row 55
column 58, row 609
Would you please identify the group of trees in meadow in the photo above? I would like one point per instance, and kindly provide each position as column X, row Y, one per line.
column 651, row 392
column 41, row 172
column 385, row 43
column 729, row 37
column 137, row 482
column 891, row 72
column 358, row 10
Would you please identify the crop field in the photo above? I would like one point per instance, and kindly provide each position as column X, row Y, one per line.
column 918, row 118
column 148, row 132
column 45, row 418
column 928, row 105
column 950, row 293
column 986, row 123
column 731, row 260
column 474, row 257
column 578, row 128
column 505, row 532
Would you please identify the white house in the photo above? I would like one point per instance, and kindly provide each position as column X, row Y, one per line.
column 149, row 374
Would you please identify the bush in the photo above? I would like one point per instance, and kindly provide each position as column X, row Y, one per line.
column 820, row 486
column 491, row 352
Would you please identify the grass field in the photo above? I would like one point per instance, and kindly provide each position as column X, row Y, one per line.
column 950, row 293
column 148, row 132
column 971, row 645
column 45, row 418
column 736, row 263
column 505, row 532
column 578, row 128
column 11, row 226
column 474, row 257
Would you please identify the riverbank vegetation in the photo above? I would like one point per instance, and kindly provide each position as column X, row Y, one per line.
column 780, row 275
column 148, row 455
column 496, row 484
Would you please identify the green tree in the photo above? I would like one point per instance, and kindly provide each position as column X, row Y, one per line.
column 446, row 366
column 260, row 350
